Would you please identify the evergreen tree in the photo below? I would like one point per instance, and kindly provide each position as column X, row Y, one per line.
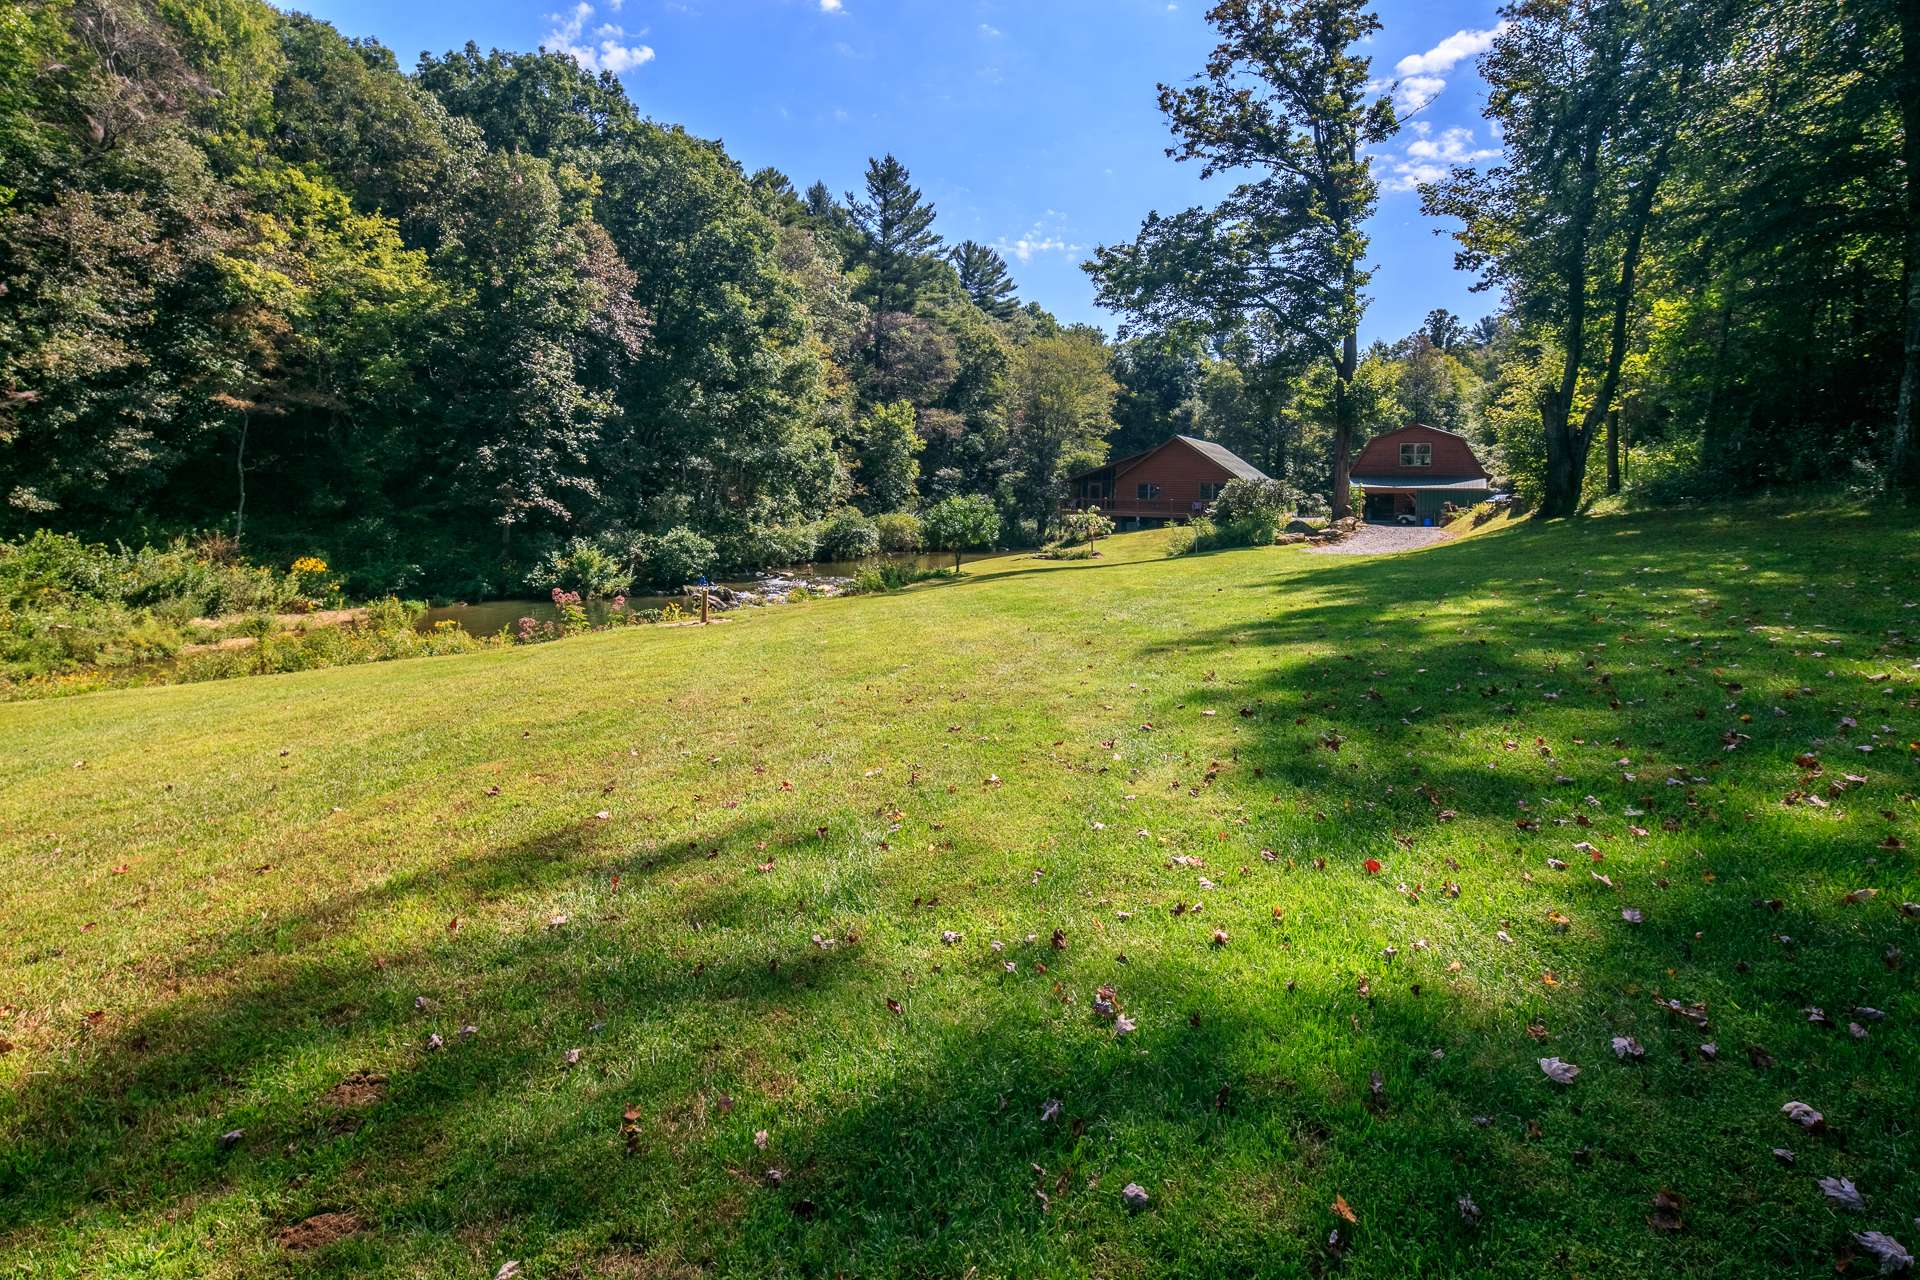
column 983, row 274
column 896, row 239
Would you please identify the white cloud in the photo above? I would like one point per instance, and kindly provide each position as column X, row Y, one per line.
column 1430, row 157
column 1421, row 76
column 1414, row 92
column 610, row 53
column 832, row 6
column 1455, row 146
column 989, row 31
column 1448, row 53
column 1045, row 236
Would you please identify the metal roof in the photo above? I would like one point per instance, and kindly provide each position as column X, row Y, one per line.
column 1229, row 461
column 1227, row 458
column 1406, row 484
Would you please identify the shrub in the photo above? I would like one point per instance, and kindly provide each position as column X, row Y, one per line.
column 1192, row 536
column 777, row 546
column 582, row 566
column 1249, row 513
column 962, row 524
column 677, row 557
column 1068, row 551
column 873, row 579
column 1084, row 526
column 848, row 535
column 899, row 531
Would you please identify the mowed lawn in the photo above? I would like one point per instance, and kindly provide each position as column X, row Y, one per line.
column 773, row 948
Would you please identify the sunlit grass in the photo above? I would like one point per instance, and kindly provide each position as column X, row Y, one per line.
column 224, row 900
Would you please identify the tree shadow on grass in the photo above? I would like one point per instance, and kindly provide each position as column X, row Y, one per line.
column 133, row 1122
column 907, row 1143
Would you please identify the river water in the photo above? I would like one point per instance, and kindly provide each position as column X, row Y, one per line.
column 489, row 617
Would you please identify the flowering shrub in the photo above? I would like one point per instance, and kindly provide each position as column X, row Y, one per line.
column 573, row 614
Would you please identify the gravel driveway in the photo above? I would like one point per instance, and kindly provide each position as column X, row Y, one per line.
column 1384, row 539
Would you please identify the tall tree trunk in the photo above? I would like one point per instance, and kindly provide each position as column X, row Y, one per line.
column 1343, row 423
column 1562, row 496
column 240, row 475
column 1613, row 450
column 1903, row 457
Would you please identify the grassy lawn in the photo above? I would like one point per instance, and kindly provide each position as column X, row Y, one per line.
column 683, row 887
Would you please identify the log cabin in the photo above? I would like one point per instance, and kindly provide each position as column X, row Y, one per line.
column 1409, row 476
column 1174, row 481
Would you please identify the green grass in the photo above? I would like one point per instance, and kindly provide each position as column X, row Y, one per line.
column 222, row 900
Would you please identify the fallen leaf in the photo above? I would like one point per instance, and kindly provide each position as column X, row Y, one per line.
column 1843, row 1193
column 1889, row 1252
column 1342, row 1208
column 1134, row 1196
column 1559, row 1072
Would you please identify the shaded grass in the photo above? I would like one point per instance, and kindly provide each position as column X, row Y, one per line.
column 225, row 899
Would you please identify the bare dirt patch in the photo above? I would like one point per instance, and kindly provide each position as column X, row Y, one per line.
column 361, row 1089
column 318, row 1231
column 640, row 1266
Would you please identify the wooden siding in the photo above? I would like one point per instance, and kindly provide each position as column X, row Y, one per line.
column 1174, row 469
column 1452, row 456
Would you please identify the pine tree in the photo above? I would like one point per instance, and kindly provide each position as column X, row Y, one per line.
column 983, row 274
column 897, row 238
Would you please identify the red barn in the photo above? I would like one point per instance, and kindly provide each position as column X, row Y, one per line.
column 1173, row 481
column 1412, row 473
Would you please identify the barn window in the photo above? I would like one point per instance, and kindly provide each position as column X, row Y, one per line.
column 1147, row 492
column 1210, row 491
column 1416, row 455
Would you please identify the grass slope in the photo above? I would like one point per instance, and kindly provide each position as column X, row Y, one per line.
column 223, row 901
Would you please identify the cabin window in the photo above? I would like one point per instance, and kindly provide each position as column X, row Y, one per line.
column 1416, row 455
column 1093, row 490
column 1147, row 492
column 1210, row 491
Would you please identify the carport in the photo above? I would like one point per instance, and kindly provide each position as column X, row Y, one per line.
column 1387, row 498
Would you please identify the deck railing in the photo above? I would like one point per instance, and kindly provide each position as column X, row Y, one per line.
column 1159, row 507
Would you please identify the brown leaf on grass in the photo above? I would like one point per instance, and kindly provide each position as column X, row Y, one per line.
column 1344, row 1210
column 1843, row 1193
column 1888, row 1252
column 893, row 1006
column 630, row 1129
column 1559, row 1072
column 1805, row 1116
column 1666, row 1211
column 1627, row 1049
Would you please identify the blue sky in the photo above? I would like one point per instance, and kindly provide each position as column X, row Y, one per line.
column 1031, row 125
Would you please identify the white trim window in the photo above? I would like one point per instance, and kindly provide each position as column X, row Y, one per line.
column 1210, row 490
column 1416, row 455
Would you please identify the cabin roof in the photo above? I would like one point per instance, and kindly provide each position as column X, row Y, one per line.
column 1221, row 456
